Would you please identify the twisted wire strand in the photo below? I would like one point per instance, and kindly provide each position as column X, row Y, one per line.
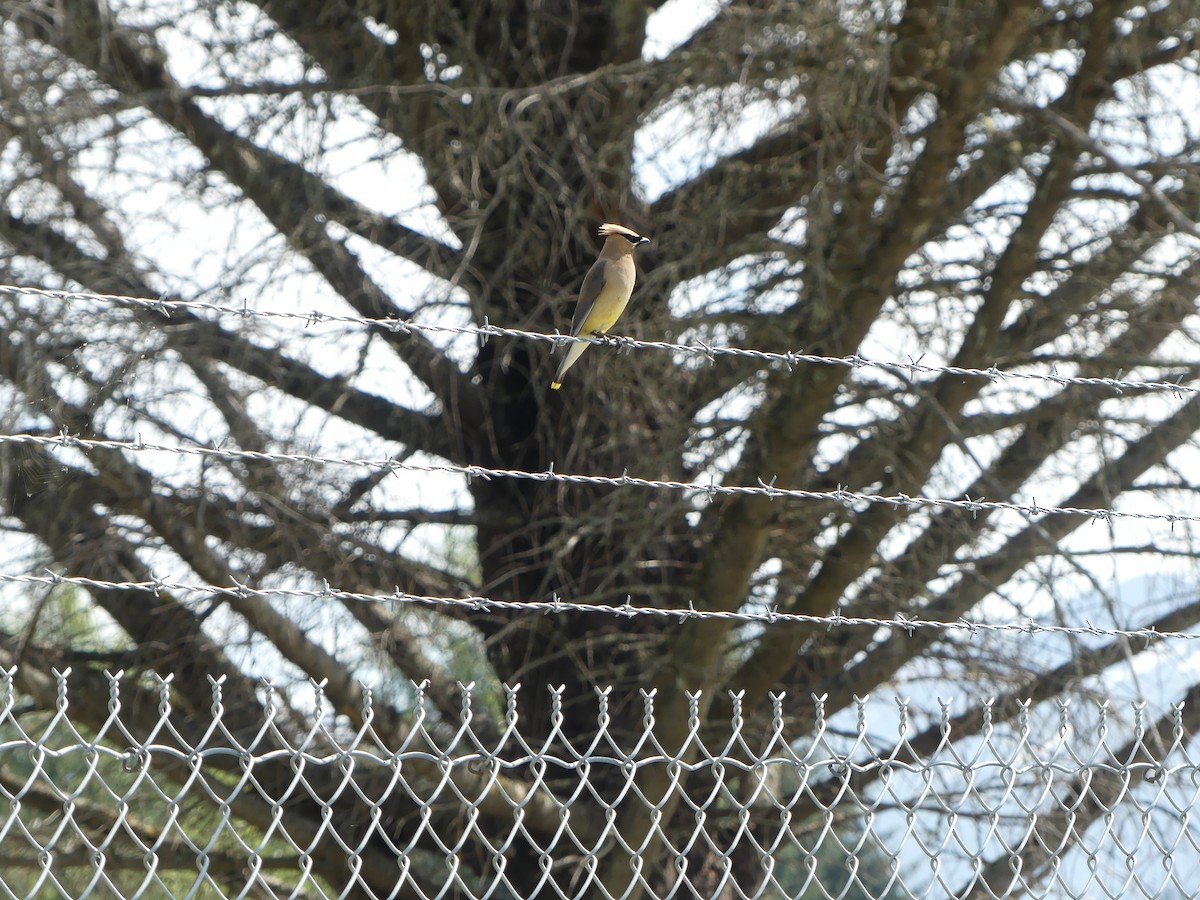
column 764, row 488
column 484, row 332
column 556, row 605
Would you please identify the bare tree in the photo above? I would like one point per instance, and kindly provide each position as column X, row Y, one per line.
column 1002, row 186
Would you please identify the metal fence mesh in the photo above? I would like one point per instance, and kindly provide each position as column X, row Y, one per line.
column 294, row 799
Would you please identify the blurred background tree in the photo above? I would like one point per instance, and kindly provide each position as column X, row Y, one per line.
column 995, row 184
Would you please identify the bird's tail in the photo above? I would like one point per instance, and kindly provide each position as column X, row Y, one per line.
column 573, row 353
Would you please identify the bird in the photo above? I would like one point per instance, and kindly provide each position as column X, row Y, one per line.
column 605, row 291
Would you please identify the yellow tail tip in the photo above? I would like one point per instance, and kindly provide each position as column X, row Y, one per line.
column 555, row 385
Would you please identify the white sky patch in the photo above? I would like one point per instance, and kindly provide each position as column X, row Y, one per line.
column 674, row 22
column 380, row 372
column 1153, row 116
column 738, row 287
column 334, row 137
column 1043, row 77
column 431, row 299
column 373, row 168
column 691, row 132
column 196, row 40
column 720, row 438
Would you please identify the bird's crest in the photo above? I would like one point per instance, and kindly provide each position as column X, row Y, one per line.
column 608, row 229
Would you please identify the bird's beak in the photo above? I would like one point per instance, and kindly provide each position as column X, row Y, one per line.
column 644, row 240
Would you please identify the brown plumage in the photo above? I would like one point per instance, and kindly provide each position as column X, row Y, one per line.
column 605, row 291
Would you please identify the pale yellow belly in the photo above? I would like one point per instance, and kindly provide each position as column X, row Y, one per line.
column 605, row 313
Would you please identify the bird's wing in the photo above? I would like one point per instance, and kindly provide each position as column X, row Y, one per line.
column 593, row 284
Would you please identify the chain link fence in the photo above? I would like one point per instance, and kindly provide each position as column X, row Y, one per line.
column 399, row 800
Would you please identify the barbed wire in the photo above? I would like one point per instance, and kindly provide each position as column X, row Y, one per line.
column 764, row 488
column 771, row 616
column 482, row 333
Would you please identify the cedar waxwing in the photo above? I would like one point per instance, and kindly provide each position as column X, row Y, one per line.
column 605, row 291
